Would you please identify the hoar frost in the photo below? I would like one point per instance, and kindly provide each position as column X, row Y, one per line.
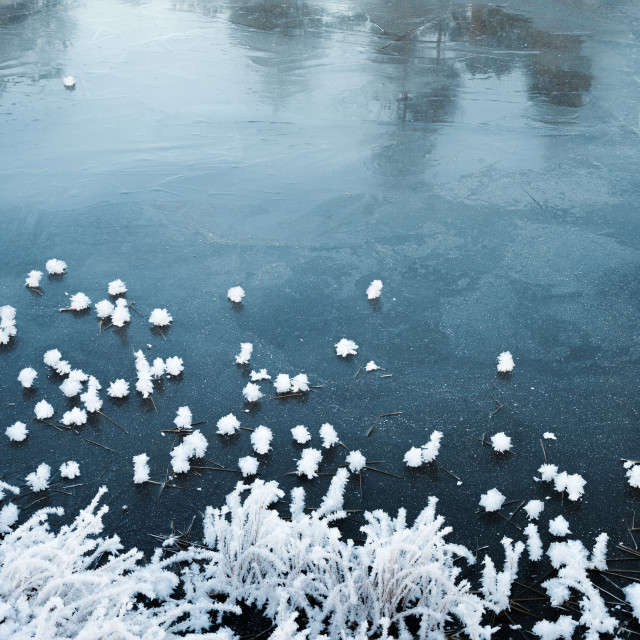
column 246, row 349
column 356, row 461
column 70, row 469
column 248, row 465
column 534, row 508
column 141, row 468
column 505, row 362
column 282, row 383
column 374, row 290
column 56, row 267
column 27, row 376
column 79, row 301
column 104, row 308
column 117, row 287
column 235, row 294
column 174, row 366
column 160, row 318
column 121, row 313
column 501, row 442
column 252, row 392
column 74, row 417
column 228, row 425
column 39, row 479
column 192, row 446
column 43, row 410
column 492, row 500
column 559, row 527
column 183, row 419
column 118, row 389
column 300, row 383
column 261, row 439
column 308, row 464
column 17, row 432
column 33, row 279
column 372, row 366
column 328, row 435
column 301, row 434
column 346, row 348
column 7, row 324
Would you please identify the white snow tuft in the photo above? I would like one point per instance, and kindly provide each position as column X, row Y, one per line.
column 17, row 431
column 33, row 279
column 56, row 267
column 246, row 349
column 27, row 376
column 261, row 439
column 117, row 287
column 252, row 392
column 43, row 410
column 141, row 471
column 346, row 348
column 559, row 527
column 39, row 479
column 228, row 425
column 70, row 469
column 160, row 318
column 356, row 461
column 309, row 462
column 492, row 500
column 235, row 294
column 248, row 465
column 328, row 435
column 374, row 289
column 505, row 362
column 118, row 389
column 301, row 434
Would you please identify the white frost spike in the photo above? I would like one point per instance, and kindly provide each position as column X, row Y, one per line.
column 118, row 388
column 144, row 385
column 501, row 442
column 33, row 279
column 184, row 418
column 559, row 527
column 117, row 287
column 534, row 508
column 235, row 294
column 227, row 425
column 413, row 457
column 70, row 469
column 548, row 472
column 534, row 543
column 309, row 462
column 56, row 267
column 346, row 348
column 8, row 517
column 160, row 318
column 141, row 468
column 496, row 587
column 246, row 349
column 432, row 448
column 248, row 465
column 356, row 461
column 7, row 324
column 174, row 366
column 261, row 439
column 260, row 375
column 282, row 383
column 39, row 479
column 374, row 289
column 505, row 362
column 104, row 308
column 79, row 301
column 252, row 392
column 121, row 313
column 69, row 82
column 43, row 410
column 300, row 383
column 301, row 434
column 328, row 435
column 27, row 376
column 492, row 500
column 372, row 366
column 7, row 487
column 632, row 593
column 561, row 629
column 17, row 432
column 74, row 417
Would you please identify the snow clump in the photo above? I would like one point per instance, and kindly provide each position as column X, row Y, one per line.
column 252, row 392
column 282, row 383
column 193, row 446
column 79, row 301
column 183, row 419
column 121, row 313
column 372, row 366
column 76, row 417
column 356, row 461
column 559, row 527
column 534, row 508
column 174, row 366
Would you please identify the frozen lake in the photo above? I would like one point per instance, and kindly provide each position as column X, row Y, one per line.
column 482, row 161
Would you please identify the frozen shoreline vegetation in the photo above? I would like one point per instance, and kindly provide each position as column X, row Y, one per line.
column 297, row 567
